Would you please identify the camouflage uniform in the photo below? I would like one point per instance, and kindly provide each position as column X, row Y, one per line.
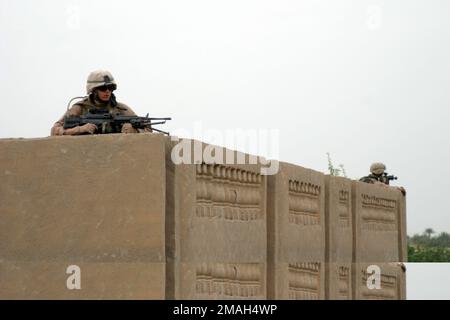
column 376, row 172
column 96, row 79
column 82, row 107
column 371, row 178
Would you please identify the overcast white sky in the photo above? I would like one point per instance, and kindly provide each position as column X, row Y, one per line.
column 364, row 80
column 428, row 281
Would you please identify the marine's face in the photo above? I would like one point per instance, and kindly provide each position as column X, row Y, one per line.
column 104, row 93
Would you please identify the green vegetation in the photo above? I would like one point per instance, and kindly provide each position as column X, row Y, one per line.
column 337, row 172
column 428, row 247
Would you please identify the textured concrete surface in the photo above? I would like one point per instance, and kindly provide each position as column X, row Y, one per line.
column 98, row 280
column 96, row 200
column 379, row 224
column 392, row 282
column 141, row 226
column 218, row 231
column 339, row 238
column 296, row 233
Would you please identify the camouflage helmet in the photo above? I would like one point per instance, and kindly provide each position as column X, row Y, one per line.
column 377, row 168
column 99, row 78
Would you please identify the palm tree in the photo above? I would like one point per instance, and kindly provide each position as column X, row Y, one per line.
column 429, row 232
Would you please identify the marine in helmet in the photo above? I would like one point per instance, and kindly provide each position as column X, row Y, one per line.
column 377, row 171
column 99, row 88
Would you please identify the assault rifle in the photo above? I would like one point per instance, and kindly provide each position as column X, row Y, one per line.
column 387, row 179
column 103, row 119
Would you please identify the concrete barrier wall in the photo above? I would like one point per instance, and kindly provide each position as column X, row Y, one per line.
column 392, row 282
column 379, row 224
column 141, row 226
column 380, row 239
column 339, row 238
column 219, row 214
column 296, row 227
column 95, row 202
column 44, row 280
column 403, row 234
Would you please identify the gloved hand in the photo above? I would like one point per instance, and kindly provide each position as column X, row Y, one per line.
column 88, row 128
column 128, row 128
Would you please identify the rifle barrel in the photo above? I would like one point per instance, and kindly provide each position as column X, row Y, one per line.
column 97, row 117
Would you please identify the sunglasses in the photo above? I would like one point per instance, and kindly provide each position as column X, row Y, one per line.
column 104, row 88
